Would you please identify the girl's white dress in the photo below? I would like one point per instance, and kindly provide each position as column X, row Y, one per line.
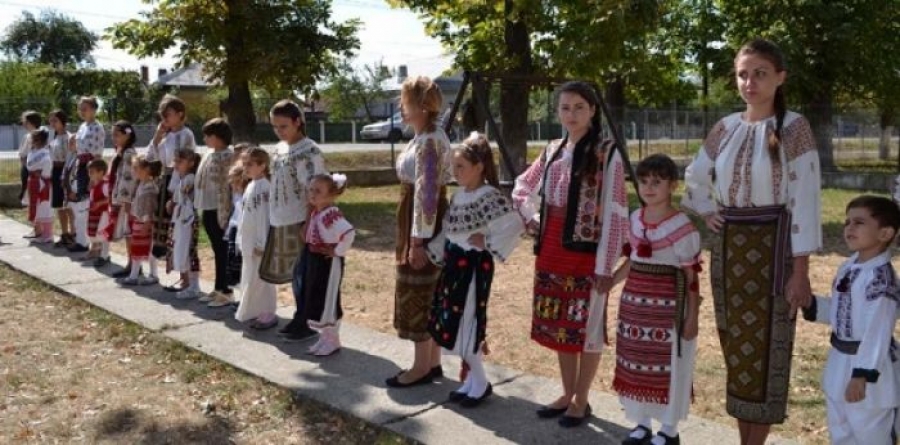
column 258, row 297
column 183, row 217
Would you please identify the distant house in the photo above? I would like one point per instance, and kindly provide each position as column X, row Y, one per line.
column 190, row 84
column 435, row 68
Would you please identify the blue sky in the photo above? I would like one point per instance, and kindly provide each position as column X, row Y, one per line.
column 394, row 36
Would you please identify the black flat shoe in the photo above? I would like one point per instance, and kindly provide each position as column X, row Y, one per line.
column 572, row 421
column 648, row 436
column 295, row 336
column 394, row 382
column 75, row 248
column 287, row 329
column 456, row 396
column 472, row 402
column 669, row 440
column 437, row 372
column 547, row 412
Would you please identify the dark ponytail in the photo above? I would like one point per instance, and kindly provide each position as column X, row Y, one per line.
column 780, row 112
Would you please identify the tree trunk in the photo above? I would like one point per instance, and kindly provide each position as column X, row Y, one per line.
column 821, row 109
column 239, row 108
column 886, row 125
column 514, row 94
column 615, row 98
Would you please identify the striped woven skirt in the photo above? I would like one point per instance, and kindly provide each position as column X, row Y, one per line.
column 141, row 239
column 751, row 261
column 562, row 289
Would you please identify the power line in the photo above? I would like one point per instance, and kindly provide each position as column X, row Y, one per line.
column 65, row 10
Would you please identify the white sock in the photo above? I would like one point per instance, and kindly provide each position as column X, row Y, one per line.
column 467, row 385
column 645, row 422
column 669, row 430
column 194, row 280
column 104, row 249
column 135, row 269
column 153, row 270
column 477, row 375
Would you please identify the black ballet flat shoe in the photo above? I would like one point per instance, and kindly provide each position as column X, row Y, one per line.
column 456, row 396
column 646, row 440
column 287, row 329
column 669, row 440
column 472, row 402
column 572, row 421
column 394, row 382
column 437, row 372
column 548, row 412
column 299, row 335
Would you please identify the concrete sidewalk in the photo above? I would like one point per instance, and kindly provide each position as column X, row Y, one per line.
column 351, row 381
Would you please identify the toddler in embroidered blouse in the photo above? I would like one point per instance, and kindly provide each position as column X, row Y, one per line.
column 479, row 226
column 658, row 311
column 861, row 379
column 328, row 238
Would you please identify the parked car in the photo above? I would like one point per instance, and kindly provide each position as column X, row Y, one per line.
column 385, row 131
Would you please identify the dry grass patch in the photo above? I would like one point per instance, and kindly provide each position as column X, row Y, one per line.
column 73, row 373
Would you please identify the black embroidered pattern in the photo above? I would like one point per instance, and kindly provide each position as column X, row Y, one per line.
column 883, row 284
column 477, row 214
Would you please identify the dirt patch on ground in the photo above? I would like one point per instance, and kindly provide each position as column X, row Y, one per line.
column 72, row 373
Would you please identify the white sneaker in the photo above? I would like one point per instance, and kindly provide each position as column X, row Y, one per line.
column 187, row 294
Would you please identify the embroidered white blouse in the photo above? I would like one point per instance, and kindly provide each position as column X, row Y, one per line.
column 293, row 166
column 864, row 307
column 59, row 147
column 90, row 138
column 734, row 169
column 253, row 217
column 171, row 142
column 329, row 226
column 674, row 241
column 425, row 163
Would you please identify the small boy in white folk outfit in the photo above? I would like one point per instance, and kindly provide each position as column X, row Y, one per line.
column 658, row 312
column 39, row 165
column 213, row 198
column 328, row 238
column 258, row 298
column 862, row 375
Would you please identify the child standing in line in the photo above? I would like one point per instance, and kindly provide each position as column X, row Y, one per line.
column 658, row 311
column 258, row 298
column 143, row 209
column 30, row 121
column 182, row 249
column 328, row 238
column 480, row 226
column 238, row 182
column 295, row 161
column 59, row 152
column 171, row 135
column 861, row 379
column 40, row 168
column 88, row 143
column 213, row 198
column 123, row 185
column 98, row 213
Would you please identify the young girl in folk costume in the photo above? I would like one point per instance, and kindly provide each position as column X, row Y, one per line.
column 238, row 182
column 658, row 312
column 861, row 379
column 213, row 198
column 258, row 297
column 98, row 213
column 123, row 184
column 756, row 183
column 40, row 167
column 59, row 152
column 328, row 238
column 479, row 226
column 574, row 199
column 171, row 135
column 424, row 171
column 295, row 161
column 88, row 141
column 183, row 233
column 143, row 210
column 30, row 121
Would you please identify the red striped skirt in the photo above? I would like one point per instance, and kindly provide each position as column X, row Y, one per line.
column 649, row 312
column 562, row 289
column 38, row 191
column 141, row 239
column 94, row 217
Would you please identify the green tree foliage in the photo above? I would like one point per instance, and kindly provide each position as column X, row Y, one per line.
column 285, row 45
column 832, row 47
column 22, row 88
column 350, row 89
column 123, row 94
column 50, row 38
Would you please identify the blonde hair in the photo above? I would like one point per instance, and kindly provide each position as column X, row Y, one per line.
column 426, row 94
